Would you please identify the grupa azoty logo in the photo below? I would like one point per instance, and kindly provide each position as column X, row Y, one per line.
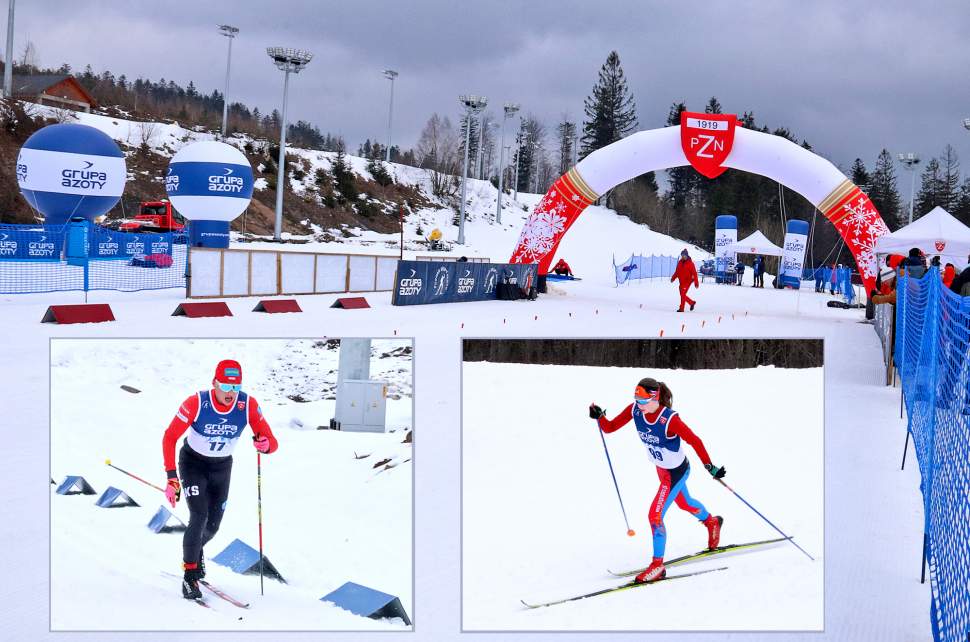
column 410, row 285
column 221, row 428
column 466, row 282
column 226, row 182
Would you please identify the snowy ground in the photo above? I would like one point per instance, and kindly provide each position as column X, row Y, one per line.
column 328, row 517
column 873, row 512
column 541, row 521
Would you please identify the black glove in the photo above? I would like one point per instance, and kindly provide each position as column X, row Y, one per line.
column 595, row 412
column 716, row 473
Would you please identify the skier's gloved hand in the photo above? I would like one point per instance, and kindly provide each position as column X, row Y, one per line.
column 173, row 490
column 716, row 473
column 595, row 412
column 261, row 443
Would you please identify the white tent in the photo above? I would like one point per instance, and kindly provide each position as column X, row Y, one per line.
column 938, row 232
column 756, row 243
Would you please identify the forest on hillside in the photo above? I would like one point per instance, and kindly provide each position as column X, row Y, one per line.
column 683, row 204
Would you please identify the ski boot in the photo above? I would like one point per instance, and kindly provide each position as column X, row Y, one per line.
column 713, row 524
column 656, row 571
column 190, row 583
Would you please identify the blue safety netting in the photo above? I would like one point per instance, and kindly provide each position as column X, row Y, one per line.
column 932, row 353
column 83, row 256
column 639, row 266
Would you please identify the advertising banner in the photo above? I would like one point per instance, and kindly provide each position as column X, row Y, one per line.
column 421, row 282
column 796, row 240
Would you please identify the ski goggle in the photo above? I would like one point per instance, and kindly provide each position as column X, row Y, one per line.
column 229, row 387
column 643, row 396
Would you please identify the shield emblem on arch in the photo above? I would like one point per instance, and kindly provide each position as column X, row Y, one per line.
column 940, row 246
column 707, row 140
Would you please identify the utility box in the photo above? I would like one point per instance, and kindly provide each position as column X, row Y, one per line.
column 361, row 406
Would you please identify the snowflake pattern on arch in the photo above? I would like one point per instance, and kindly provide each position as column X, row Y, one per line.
column 862, row 227
column 543, row 228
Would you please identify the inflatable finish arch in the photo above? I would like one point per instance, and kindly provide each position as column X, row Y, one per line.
column 775, row 157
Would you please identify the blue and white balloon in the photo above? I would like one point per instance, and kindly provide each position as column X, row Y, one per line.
column 209, row 181
column 70, row 170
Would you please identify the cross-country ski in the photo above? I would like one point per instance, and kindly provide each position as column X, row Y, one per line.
column 622, row 587
column 702, row 555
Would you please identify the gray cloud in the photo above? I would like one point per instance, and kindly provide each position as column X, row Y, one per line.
column 850, row 77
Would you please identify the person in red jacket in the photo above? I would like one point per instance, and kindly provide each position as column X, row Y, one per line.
column 686, row 273
column 662, row 431
column 562, row 268
column 949, row 273
column 215, row 420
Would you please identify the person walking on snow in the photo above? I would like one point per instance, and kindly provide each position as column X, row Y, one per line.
column 662, row 430
column 739, row 271
column 685, row 273
column 215, row 419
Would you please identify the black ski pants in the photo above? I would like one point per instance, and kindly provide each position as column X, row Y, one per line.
column 205, row 485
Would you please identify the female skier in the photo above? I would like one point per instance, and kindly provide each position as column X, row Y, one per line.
column 217, row 418
column 661, row 430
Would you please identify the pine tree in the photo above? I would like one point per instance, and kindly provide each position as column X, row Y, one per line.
column 931, row 189
column 681, row 179
column 949, row 178
column 860, row 176
column 961, row 210
column 566, row 131
column 883, row 192
column 713, row 106
column 610, row 109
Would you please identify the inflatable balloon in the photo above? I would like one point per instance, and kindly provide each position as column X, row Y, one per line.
column 69, row 170
column 712, row 137
column 210, row 183
column 796, row 240
column 725, row 235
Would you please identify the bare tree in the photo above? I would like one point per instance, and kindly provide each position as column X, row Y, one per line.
column 147, row 131
column 437, row 150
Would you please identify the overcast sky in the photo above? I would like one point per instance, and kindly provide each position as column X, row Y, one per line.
column 850, row 77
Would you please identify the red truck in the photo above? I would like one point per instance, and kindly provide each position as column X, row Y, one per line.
column 156, row 217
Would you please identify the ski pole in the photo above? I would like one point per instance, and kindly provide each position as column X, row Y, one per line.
column 790, row 539
column 108, row 462
column 259, row 505
column 629, row 531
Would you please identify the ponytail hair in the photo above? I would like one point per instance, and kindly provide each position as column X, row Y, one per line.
column 666, row 397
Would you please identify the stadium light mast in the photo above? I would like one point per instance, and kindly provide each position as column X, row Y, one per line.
column 509, row 109
column 229, row 32
column 8, row 61
column 390, row 74
column 288, row 61
column 473, row 105
column 910, row 161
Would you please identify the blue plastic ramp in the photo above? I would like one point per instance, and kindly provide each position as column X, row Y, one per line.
column 367, row 602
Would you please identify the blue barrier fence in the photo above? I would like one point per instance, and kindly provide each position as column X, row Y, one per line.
column 420, row 282
column 82, row 256
column 932, row 353
column 639, row 266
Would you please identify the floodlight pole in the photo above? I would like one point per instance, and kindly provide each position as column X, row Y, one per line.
column 8, row 61
column 390, row 74
column 509, row 109
column 473, row 104
column 229, row 32
column 481, row 144
column 910, row 161
column 288, row 61
column 518, row 154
